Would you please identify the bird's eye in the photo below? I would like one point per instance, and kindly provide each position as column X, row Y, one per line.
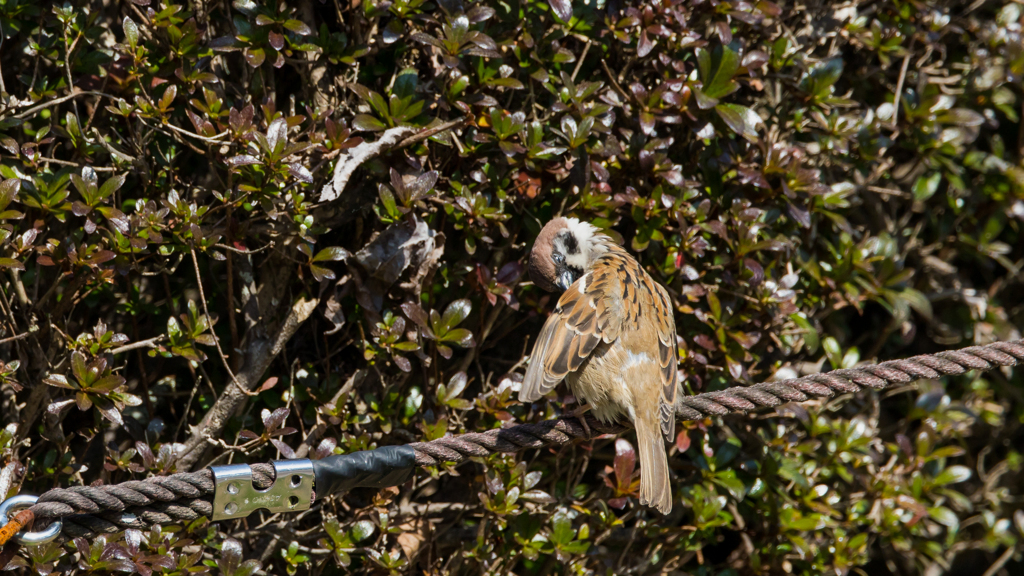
column 558, row 258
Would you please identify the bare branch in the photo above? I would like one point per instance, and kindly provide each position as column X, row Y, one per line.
column 352, row 159
column 259, row 354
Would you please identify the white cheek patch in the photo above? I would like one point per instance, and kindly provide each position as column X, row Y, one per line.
column 579, row 261
column 583, row 231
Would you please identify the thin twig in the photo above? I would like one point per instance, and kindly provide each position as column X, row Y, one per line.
column 75, row 164
column 899, row 90
column 615, row 83
column 149, row 343
column 211, row 139
column 19, row 288
column 60, row 100
column 429, row 132
column 492, row 317
column 886, row 191
column 216, row 341
column 21, row 336
column 2, row 87
column 998, row 564
column 68, row 49
column 188, row 406
column 246, row 252
column 586, row 48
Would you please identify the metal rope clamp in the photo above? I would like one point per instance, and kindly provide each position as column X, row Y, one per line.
column 20, row 502
column 235, row 496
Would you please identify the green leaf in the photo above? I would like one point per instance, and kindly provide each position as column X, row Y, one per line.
column 721, row 83
column 833, row 351
column 715, row 305
column 387, row 199
column 704, row 102
column 918, row 301
column 926, row 186
column 173, row 328
column 321, row 273
column 332, row 253
column 406, row 83
column 460, row 336
column 78, row 367
column 111, row 185
column 819, row 81
column 413, row 401
column 168, row 97
column 952, row 475
column 131, row 31
column 455, row 313
column 455, row 386
column 944, row 516
column 254, row 56
column 727, row 479
column 60, row 381
column 367, row 123
column 562, row 531
column 740, row 119
column 298, row 26
column 107, row 384
column 361, row 530
column 9, row 191
column 810, row 335
column 962, row 117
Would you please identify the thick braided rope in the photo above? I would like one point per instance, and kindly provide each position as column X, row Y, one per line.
column 140, row 504
column 458, row 449
column 184, row 497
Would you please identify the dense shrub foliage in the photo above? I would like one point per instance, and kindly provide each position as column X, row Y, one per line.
column 817, row 185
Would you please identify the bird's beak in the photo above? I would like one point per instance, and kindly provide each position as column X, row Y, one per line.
column 565, row 279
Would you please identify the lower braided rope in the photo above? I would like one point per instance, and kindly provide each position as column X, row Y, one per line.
column 183, row 497
column 140, row 504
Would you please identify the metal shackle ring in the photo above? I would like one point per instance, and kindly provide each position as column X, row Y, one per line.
column 20, row 502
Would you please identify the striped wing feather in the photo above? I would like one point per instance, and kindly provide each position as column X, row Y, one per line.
column 588, row 312
column 667, row 359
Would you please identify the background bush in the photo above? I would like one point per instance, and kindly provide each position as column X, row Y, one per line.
column 817, row 184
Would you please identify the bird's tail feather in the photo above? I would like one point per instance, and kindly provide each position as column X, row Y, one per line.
column 655, row 488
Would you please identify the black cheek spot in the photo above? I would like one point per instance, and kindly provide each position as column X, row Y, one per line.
column 572, row 246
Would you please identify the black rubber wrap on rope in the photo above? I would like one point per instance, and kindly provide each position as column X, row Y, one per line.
column 380, row 468
column 187, row 496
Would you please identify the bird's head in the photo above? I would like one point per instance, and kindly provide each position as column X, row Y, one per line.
column 564, row 251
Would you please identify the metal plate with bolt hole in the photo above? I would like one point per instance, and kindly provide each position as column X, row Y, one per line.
column 235, row 497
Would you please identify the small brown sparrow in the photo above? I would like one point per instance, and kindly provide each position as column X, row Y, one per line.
column 612, row 338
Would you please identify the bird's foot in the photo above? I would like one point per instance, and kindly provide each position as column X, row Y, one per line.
column 578, row 414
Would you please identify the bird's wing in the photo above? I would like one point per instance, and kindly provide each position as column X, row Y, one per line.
column 647, row 305
column 665, row 323
column 591, row 310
